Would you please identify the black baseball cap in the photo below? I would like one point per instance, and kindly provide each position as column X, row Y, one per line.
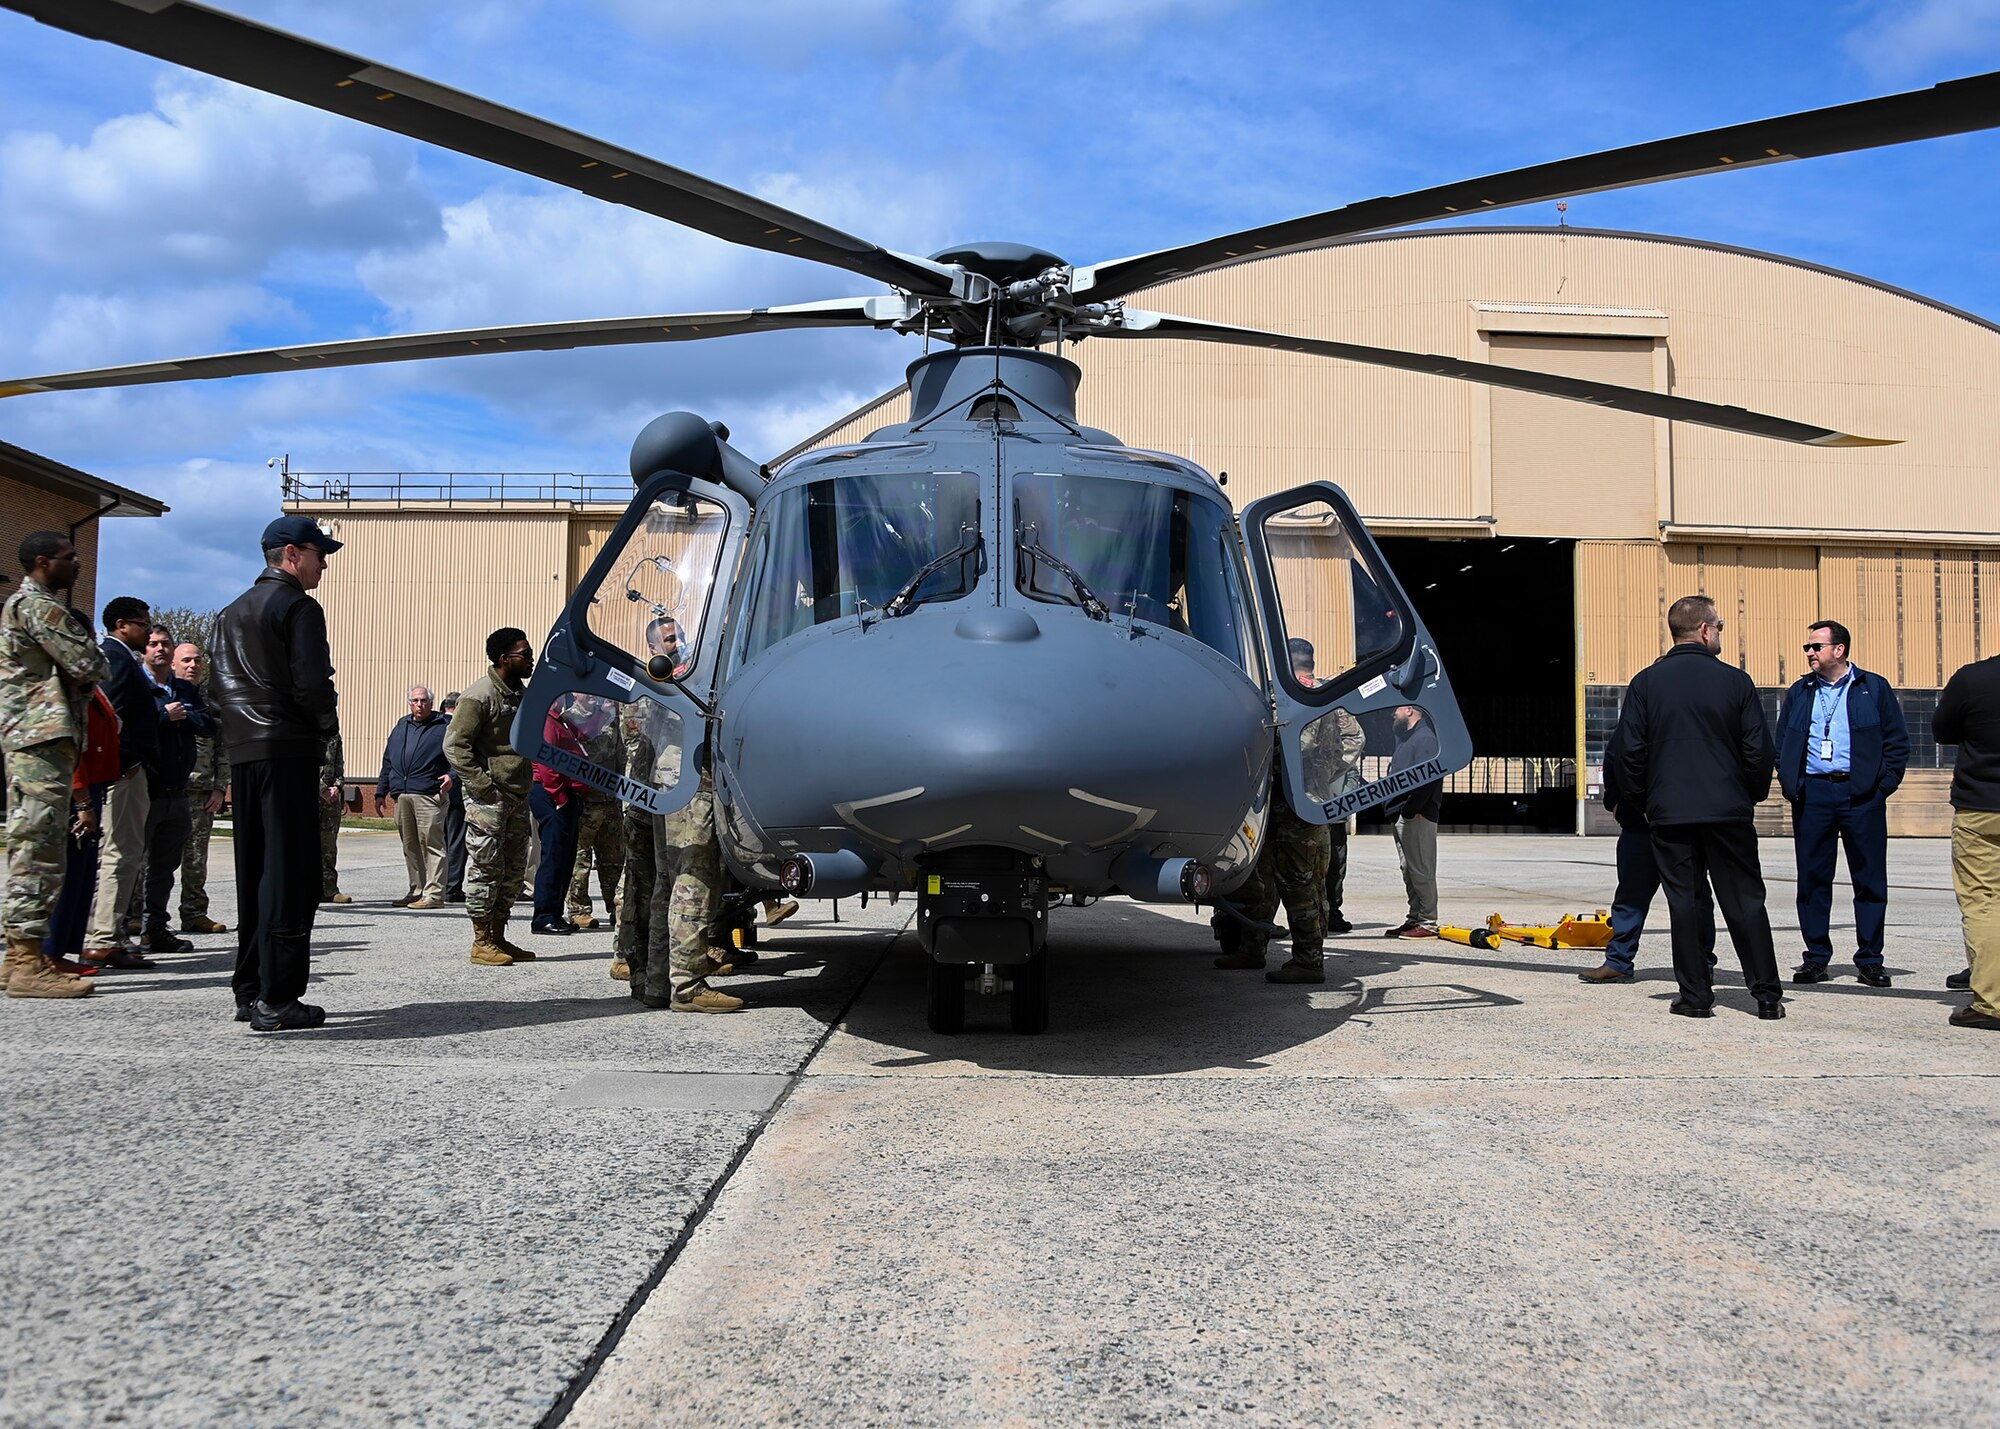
column 299, row 531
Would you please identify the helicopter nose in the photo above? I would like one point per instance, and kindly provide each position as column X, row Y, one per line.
column 1046, row 732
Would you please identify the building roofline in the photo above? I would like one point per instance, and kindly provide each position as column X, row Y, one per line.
column 1554, row 231
column 47, row 474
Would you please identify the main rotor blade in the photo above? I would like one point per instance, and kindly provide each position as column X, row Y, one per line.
column 255, row 55
column 469, row 342
column 1548, row 384
column 1956, row 107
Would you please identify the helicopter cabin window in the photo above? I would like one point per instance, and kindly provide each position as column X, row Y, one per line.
column 1341, row 624
column 882, row 542
column 656, row 599
column 1162, row 554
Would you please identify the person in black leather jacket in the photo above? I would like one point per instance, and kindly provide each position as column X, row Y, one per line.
column 275, row 697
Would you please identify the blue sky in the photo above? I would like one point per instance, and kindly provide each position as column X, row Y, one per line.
column 149, row 213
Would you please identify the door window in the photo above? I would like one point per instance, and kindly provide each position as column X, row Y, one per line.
column 659, row 595
column 1340, row 621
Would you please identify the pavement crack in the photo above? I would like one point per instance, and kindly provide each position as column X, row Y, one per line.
column 608, row 1345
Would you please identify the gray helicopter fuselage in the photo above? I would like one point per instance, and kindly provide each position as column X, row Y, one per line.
column 999, row 709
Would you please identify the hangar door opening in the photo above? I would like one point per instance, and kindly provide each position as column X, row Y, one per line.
column 1503, row 612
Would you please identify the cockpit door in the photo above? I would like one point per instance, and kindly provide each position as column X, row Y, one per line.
column 1365, row 711
column 658, row 587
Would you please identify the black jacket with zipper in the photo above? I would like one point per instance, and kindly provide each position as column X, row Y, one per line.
column 1696, row 749
column 274, row 673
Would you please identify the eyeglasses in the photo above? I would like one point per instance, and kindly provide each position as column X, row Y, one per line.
column 1812, row 645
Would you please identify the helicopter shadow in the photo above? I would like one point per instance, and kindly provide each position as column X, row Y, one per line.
column 1135, row 993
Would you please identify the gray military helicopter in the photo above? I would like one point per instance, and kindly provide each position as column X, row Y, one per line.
column 990, row 654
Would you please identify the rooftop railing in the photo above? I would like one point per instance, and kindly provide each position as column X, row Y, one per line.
column 553, row 489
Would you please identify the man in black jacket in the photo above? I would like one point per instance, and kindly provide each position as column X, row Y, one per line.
column 1638, row 878
column 1968, row 715
column 184, row 719
column 274, row 685
column 1696, row 755
column 127, row 623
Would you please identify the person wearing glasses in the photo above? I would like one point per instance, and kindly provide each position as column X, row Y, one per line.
column 1693, row 750
column 417, row 776
column 1842, row 750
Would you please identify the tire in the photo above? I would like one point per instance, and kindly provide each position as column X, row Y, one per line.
column 947, row 998
column 1028, row 1003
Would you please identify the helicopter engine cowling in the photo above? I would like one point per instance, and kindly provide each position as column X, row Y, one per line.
column 944, row 729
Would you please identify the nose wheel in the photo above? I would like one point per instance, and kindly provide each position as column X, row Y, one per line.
column 1026, row 985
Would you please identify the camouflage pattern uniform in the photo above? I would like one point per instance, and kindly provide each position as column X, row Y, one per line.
column 636, row 825
column 48, row 663
column 211, row 772
column 332, row 769
column 600, row 839
column 1290, row 869
column 687, row 893
column 1335, row 770
column 495, row 779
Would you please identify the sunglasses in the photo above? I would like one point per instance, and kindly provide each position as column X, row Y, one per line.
column 1812, row 645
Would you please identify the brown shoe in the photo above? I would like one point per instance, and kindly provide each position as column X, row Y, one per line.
column 1417, row 930
column 705, row 999
column 1964, row 1017
column 712, row 965
column 29, row 975
column 1606, row 973
column 583, row 921
column 621, row 971
column 203, row 925
column 336, row 897
column 1296, row 972
column 425, row 903
column 486, row 952
column 121, row 957
column 1249, row 962
column 496, row 929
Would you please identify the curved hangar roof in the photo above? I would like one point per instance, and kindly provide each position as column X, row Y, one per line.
column 1697, row 319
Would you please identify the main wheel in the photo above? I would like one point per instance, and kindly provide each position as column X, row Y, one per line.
column 947, row 1003
column 1028, row 1004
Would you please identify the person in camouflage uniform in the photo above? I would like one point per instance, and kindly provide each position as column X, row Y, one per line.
column 332, row 770
column 495, row 779
column 668, row 949
column 600, row 838
column 48, row 664
column 208, row 786
column 636, row 830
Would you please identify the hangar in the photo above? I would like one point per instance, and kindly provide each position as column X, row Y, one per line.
column 1541, row 540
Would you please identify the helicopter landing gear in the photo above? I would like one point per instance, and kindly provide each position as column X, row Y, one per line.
column 1028, row 1000
column 947, row 998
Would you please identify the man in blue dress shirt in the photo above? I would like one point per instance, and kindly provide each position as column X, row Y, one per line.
column 1842, row 750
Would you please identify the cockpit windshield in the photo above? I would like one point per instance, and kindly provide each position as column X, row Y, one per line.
column 827, row 549
column 1154, row 551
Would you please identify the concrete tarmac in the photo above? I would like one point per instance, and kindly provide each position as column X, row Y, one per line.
column 1448, row 1186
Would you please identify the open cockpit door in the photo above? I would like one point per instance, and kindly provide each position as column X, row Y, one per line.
column 620, row 695
column 1365, row 712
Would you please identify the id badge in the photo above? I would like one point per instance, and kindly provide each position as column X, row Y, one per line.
column 1826, row 750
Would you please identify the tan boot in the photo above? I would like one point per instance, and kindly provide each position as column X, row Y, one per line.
column 700, row 998
column 621, row 970
column 498, row 927
column 29, row 974
column 485, row 951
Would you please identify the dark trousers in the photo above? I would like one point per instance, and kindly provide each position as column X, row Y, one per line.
column 275, row 803
column 1638, row 881
column 168, row 824
column 1691, row 858
column 1826, row 816
column 69, row 920
column 454, row 842
column 1336, row 871
column 557, row 828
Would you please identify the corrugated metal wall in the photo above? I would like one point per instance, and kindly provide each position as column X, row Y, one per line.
column 412, row 597
column 1589, row 473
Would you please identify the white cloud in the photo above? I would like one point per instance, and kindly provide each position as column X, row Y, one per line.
column 213, row 180
column 1907, row 40
column 88, row 329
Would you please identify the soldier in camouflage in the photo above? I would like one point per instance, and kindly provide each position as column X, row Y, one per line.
column 48, row 664
column 208, row 786
column 600, row 839
column 495, row 779
column 636, row 831
column 332, row 770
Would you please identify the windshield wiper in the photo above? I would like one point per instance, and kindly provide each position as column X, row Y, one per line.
column 904, row 600
column 1092, row 606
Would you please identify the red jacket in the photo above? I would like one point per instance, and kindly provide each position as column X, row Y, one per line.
column 98, row 762
column 560, row 787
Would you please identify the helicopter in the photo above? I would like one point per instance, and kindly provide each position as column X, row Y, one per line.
column 990, row 655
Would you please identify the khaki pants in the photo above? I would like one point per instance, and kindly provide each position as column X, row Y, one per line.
column 122, row 855
column 1975, row 874
column 420, row 823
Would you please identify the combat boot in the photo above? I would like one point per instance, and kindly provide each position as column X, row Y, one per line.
column 701, row 998
column 1296, row 971
column 497, row 929
column 485, row 951
column 29, row 975
column 202, row 925
column 621, row 970
column 1252, row 961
